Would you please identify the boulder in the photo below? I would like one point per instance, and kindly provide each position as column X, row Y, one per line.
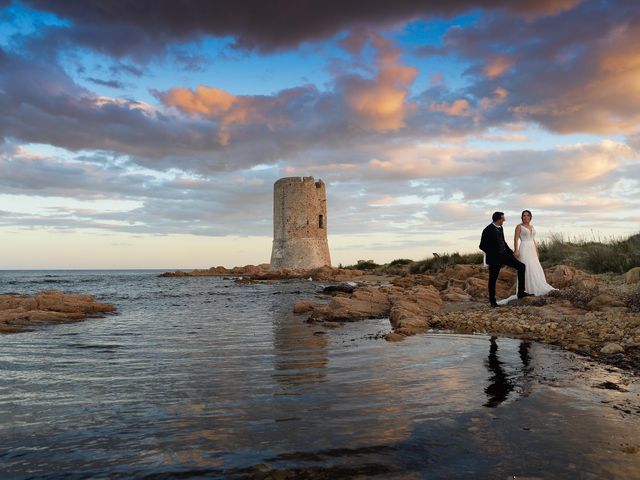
column 302, row 306
column 364, row 302
column 633, row 275
column 561, row 276
column 394, row 337
column 612, row 348
column 412, row 310
column 20, row 311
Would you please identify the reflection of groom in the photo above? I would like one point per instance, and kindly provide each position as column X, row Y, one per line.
column 498, row 254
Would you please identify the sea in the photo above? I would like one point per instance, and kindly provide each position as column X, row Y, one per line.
column 202, row 377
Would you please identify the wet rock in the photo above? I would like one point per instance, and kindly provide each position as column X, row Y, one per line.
column 394, row 337
column 302, row 306
column 341, row 287
column 364, row 302
column 18, row 312
column 261, row 272
column 612, row 348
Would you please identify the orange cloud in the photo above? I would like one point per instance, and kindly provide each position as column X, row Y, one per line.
column 206, row 101
column 497, row 66
column 228, row 109
column 380, row 103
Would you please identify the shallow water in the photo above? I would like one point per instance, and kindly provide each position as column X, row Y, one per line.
column 202, row 378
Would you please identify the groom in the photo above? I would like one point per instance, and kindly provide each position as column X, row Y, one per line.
column 498, row 254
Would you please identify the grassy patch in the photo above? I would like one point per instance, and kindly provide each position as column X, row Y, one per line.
column 596, row 256
column 438, row 262
column 591, row 255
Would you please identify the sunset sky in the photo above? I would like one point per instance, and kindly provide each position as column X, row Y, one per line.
column 148, row 133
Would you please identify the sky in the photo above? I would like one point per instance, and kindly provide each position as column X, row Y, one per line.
column 149, row 133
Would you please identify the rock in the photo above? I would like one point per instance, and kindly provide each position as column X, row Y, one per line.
column 412, row 280
column 460, row 272
column 302, row 306
column 341, row 287
column 412, row 310
column 364, row 302
column 476, row 287
column 394, row 337
column 612, row 348
column 177, row 273
column 20, row 311
column 633, row 275
column 60, row 302
column 585, row 283
column 456, row 294
column 604, row 301
column 561, row 276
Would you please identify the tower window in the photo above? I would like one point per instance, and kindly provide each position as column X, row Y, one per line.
column 321, row 221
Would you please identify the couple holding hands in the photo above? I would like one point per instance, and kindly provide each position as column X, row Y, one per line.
column 523, row 257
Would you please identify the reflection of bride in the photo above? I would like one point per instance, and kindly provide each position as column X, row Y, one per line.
column 526, row 250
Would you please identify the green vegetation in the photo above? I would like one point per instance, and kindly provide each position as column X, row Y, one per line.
column 595, row 256
column 363, row 265
column 438, row 262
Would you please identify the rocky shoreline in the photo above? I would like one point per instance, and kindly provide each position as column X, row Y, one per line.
column 593, row 315
column 257, row 273
column 20, row 312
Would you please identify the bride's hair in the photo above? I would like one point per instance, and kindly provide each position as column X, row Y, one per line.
column 526, row 211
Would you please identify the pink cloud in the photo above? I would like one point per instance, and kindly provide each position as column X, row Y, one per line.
column 458, row 108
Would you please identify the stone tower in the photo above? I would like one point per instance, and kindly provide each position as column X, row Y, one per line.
column 299, row 224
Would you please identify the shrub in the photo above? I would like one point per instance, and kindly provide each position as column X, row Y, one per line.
column 439, row 262
column 596, row 256
column 400, row 262
column 363, row 265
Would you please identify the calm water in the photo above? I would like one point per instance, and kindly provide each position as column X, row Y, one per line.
column 202, row 378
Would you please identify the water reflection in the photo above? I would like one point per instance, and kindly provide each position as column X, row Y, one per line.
column 228, row 383
column 301, row 353
column 502, row 384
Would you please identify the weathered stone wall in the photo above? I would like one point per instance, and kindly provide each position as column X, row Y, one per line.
column 299, row 224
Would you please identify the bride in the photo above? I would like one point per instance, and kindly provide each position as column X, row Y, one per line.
column 526, row 250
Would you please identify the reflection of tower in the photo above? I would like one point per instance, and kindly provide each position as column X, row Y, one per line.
column 299, row 224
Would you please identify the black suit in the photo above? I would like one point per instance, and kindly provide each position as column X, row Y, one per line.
column 498, row 254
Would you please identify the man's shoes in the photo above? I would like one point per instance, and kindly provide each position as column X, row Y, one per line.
column 524, row 294
column 494, row 305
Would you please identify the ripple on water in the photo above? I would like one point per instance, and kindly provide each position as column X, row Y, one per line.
column 200, row 377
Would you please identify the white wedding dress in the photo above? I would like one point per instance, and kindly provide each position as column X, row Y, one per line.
column 535, row 282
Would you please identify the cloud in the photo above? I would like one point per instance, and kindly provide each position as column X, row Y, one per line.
column 576, row 71
column 458, row 108
column 407, row 191
column 142, row 28
column 106, row 83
